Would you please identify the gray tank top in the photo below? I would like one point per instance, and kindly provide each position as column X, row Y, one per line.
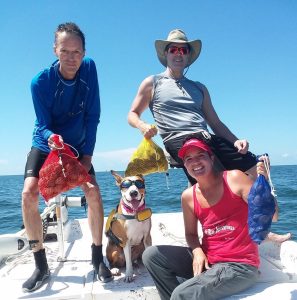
column 177, row 107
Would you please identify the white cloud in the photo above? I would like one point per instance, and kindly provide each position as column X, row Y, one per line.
column 115, row 153
column 3, row 162
column 112, row 160
column 285, row 158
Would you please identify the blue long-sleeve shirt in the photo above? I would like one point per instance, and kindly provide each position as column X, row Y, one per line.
column 70, row 108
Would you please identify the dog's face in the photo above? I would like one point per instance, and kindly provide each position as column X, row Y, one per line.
column 132, row 189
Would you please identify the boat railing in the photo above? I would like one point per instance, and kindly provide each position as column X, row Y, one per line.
column 56, row 215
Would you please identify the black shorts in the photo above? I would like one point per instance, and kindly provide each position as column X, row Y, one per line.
column 227, row 155
column 36, row 159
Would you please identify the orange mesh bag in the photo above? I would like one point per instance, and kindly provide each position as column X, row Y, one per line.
column 61, row 172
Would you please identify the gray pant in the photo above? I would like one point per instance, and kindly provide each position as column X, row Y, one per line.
column 166, row 263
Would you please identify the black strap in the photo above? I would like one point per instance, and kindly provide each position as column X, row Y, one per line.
column 123, row 217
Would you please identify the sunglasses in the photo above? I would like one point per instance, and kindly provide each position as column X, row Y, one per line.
column 175, row 50
column 127, row 183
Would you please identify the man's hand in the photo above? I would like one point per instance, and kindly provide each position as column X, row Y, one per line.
column 55, row 142
column 200, row 261
column 148, row 130
column 242, row 146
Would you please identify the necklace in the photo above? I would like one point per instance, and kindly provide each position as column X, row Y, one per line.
column 179, row 85
column 177, row 82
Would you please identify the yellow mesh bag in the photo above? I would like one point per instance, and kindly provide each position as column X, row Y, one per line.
column 148, row 158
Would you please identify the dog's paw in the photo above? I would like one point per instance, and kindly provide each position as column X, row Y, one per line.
column 115, row 272
column 128, row 275
column 128, row 278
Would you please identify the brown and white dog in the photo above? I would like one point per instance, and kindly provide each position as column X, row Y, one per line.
column 128, row 226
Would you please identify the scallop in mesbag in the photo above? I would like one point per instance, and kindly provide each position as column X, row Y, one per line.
column 61, row 172
column 261, row 208
column 148, row 158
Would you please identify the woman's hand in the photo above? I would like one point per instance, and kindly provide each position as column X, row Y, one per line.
column 262, row 166
column 200, row 261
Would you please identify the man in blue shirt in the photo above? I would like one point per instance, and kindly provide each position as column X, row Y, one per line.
column 66, row 102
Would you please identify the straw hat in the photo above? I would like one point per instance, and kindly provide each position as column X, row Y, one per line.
column 177, row 36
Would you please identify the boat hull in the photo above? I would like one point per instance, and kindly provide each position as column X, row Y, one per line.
column 74, row 278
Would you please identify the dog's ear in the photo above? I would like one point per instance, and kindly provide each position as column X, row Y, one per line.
column 141, row 176
column 117, row 177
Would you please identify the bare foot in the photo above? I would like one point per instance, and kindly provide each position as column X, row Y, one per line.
column 278, row 238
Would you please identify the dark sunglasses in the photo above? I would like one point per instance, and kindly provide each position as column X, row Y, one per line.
column 175, row 50
column 127, row 183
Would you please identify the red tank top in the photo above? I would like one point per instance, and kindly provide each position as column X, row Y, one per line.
column 225, row 229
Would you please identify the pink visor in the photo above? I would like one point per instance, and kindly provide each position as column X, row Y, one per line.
column 193, row 143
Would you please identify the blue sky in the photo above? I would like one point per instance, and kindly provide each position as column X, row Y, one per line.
column 248, row 62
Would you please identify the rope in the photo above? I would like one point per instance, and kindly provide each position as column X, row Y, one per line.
column 206, row 134
column 77, row 154
column 180, row 240
column 25, row 258
column 157, row 159
column 158, row 165
column 267, row 167
column 60, row 156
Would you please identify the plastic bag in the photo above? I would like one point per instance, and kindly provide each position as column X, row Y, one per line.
column 261, row 208
column 61, row 172
column 148, row 158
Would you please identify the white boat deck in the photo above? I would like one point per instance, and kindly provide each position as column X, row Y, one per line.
column 74, row 278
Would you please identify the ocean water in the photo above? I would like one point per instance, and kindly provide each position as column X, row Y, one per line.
column 162, row 195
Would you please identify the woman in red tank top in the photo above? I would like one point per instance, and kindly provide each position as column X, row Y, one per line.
column 226, row 261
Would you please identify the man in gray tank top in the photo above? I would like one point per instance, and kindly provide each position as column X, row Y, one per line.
column 181, row 107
